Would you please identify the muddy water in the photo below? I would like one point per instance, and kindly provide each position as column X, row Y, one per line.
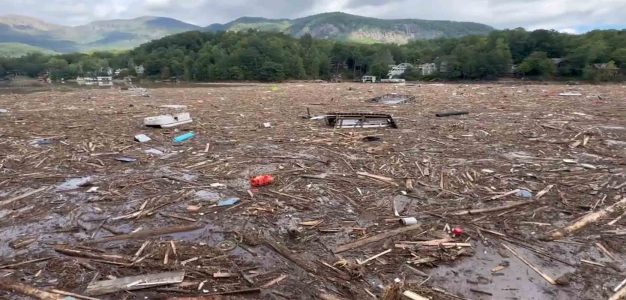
column 515, row 281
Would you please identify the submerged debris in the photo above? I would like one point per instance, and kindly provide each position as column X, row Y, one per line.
column 359, row 120
column 528, row 191
column 393, row 99
column 166, row 121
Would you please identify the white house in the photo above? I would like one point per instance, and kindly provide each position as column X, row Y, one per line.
column 139, row 69
column 398, row 70
column 428, row 69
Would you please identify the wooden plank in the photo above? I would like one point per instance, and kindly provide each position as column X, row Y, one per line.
column 134, row 283
column 375, row 238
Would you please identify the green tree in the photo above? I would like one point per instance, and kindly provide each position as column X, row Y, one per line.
column 601, row 72
column 271, row 71
column 412, row 74
column 619, row 57
column 380, row 64
column 537, row 64
column 165, row 72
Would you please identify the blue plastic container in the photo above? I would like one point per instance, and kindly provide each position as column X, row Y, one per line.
column 184, row 137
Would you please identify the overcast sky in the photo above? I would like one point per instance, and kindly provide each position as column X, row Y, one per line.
column 563, row 15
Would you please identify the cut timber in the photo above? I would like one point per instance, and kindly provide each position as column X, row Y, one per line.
column 413, row 296
column 378, row 177
column 133, row 283
column 545, row 276
column 22, row 196
column 497, row 208
column 375, row 238
column 587, row 219
column 148, row 233
column 20, row 288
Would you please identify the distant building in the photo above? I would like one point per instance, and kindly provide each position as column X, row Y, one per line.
column 369, row 78
column 443, row 67
column 139, row 69
column 428, row 69
column 608, row 70
column 108, row 71
column 605, row 66
column 118, row 71
column 398, row 70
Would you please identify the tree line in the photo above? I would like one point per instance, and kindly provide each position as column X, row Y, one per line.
column 251, row 55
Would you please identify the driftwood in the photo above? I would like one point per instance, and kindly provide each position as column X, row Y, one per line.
column 362, row 262
column 326, row 296
column 148, row 233
column 133, row 283
column 24, row 263
column 379, row 178
column 620, row 294
column 544, row 275
column 286, row 253
column 491, row 209
column 77, row 296
column 413, row 296
column 80, row 253
column 27, row 290
column 375, row 238
column 586, row 220
column 216, row 296
column 20, row 197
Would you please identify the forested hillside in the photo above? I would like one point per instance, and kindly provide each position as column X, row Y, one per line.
column 264, row 56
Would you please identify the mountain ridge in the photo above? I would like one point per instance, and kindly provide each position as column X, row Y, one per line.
column 122, row 34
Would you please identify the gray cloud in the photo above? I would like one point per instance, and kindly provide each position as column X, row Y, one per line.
column 553, row 14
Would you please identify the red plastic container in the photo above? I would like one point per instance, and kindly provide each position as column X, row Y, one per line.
column 457, row 231
column 262, row 180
